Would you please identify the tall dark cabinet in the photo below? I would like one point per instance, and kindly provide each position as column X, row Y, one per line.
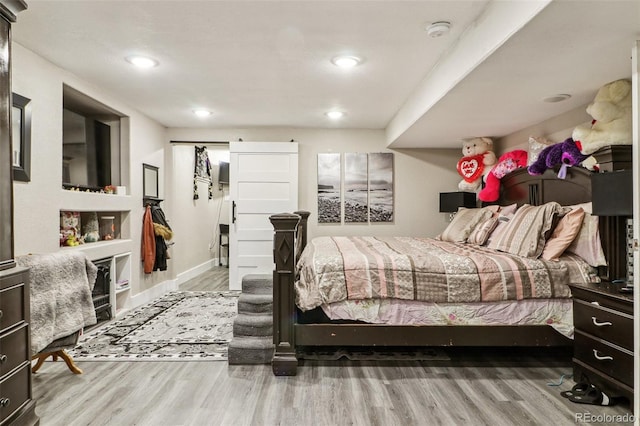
column 17, row 406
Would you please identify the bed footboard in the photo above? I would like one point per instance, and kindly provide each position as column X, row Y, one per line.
column 290, row 238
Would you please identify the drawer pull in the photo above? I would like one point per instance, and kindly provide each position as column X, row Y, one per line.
column 599, row 324
column 600, row 357
column 595, row 303
column 3, row 358
column 4, row 402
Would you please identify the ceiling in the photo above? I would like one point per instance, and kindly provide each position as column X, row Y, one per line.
column 267, row 63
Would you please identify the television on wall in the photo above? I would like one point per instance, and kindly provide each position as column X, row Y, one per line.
column 223, row 173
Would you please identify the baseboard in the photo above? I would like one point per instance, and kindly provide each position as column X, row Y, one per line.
column 185, row 276
column 153, row 293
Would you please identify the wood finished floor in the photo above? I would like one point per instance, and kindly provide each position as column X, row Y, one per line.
column 476, row 387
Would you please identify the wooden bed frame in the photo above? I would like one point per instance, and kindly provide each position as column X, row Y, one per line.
column 291, row 237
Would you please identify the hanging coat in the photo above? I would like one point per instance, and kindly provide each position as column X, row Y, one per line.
column 148, row 242
column 162, row 231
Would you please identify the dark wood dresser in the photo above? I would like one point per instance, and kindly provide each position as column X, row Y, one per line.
column 17, row 406
column 603, row 346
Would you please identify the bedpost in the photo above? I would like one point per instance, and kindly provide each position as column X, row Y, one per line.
column 301, row 234
column 284, row 362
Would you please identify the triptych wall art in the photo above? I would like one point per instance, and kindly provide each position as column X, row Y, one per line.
column 367, row 186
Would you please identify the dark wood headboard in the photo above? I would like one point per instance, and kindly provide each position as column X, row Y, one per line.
column 522, row 188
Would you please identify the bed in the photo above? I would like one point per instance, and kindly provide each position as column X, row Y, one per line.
column 295, row 328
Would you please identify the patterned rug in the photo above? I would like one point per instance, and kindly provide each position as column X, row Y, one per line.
column 180, row 326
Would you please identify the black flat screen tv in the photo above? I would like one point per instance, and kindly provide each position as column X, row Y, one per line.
column 223, row 173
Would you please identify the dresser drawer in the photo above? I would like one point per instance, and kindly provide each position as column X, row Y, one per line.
column 14, row 349
column 12, row 306
column 14, row 391
column 611, row 360
column 613, row 326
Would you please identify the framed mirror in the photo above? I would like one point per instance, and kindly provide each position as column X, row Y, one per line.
column 21, row 138
column 149, row 181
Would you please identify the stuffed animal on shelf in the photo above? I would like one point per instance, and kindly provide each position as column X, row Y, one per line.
column 478, row 157
column 507, row 163
column 565, row 153
column 611, row 112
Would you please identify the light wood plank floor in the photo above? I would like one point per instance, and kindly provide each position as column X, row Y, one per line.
column 477, row 387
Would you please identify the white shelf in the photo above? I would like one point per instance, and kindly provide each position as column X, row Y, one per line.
column 78, row 201
column 120, row 271
column 123, row 289
column 102, row 249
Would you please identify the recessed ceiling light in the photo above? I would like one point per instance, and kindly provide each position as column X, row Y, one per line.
column 334, row 115
column 142, row 61
column 438, row 29
column 557, row 98
column 346, row 61
column 202, row 112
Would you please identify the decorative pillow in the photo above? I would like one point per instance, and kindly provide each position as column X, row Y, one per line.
column 505, row 215
column 463, row 223
column 480, row 233
column 563, row 235
column 536, row 145
column 587, row 243
column 525, row 233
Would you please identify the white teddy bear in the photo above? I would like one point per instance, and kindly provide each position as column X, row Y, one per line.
column 477, row 161
column 611, row 112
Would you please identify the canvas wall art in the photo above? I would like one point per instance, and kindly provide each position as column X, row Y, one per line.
column 380, row 187
column 329, row 179
column 356, row 200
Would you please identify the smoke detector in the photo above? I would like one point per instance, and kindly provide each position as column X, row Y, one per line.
column 438, row 29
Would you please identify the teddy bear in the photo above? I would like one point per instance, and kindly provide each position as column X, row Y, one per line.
column 611, row 112
column 478, row 157
column 567, row 153
column 507, row 163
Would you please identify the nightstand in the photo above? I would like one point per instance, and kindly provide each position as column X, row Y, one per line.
column 603, row 340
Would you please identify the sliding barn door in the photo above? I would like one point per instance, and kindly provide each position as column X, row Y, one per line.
column 263, row 181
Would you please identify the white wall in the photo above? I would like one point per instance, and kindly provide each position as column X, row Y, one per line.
column 37, row 203
column 419, row 175
column 556, row 129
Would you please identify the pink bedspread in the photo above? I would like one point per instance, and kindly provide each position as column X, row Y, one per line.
column 333, row 269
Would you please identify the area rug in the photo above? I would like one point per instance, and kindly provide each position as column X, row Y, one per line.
column 180, row 326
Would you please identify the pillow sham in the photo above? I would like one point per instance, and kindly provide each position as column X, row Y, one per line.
column 480, row 233
column 505, row 215
column 463, row 223
column 587, row 243
column 563, row 234
column 525, row 234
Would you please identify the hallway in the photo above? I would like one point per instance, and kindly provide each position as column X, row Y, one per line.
column 215, row 279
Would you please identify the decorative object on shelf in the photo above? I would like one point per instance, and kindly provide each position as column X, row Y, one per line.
column 91, row 231
column 202, row 171
column 149, row 181
column 565, row 154
column 507, row 163
column 107, row 227
column 69, row 228
column 612, row 194
column 478, row 158
column 21, row 134
column 611, row 125
column 110, row 189
column 450, row 202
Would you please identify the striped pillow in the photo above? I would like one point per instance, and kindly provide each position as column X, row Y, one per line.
column 526, row 232
column 463, row 223
column 480, row 233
